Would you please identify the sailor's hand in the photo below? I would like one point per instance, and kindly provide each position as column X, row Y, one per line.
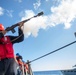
column 21, row 24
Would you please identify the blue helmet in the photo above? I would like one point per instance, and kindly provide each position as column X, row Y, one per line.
column 17, row 54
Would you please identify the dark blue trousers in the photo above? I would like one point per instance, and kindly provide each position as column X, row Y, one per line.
column 7, row 66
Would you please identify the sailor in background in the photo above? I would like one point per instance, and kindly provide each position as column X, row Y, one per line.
column 22, row 67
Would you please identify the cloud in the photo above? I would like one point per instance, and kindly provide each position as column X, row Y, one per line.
column 1, row 11
column 19, row 1
column 9, row 13
column 46, row 0
column 37, row 4
column 33, row 25
column 63, row 14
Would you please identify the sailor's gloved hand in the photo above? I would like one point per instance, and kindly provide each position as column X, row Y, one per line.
column 21, row 24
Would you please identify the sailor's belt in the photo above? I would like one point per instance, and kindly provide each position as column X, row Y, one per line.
column 1, row 59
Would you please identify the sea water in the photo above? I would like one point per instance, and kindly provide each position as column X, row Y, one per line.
column 47, row 73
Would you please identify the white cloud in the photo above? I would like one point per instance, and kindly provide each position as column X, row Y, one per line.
column 19, row 1
column 1, row 11
column 64, row 14
column 9, row 13
column 37, row 4
column 33, row 26
column 46, row 0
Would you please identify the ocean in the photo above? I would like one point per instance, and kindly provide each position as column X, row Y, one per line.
column 57, row 72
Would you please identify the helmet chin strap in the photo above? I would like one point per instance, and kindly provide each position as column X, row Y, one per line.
column 1, row 35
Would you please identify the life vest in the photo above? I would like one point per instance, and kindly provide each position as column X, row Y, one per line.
column 6, row 48
column 25, row 65
column 20, row 63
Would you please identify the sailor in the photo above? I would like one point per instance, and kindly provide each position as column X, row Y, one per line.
column 6, row 50
column 23, row 67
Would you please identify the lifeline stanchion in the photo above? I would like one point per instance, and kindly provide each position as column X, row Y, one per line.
column 29, row 68
column 53, row 51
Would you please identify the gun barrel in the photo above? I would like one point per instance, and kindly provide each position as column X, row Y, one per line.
column 15, row 25
column 41, row 13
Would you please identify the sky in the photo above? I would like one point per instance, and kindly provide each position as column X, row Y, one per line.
column 45, row 33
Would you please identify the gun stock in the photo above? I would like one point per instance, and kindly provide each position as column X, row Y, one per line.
column 15, row 25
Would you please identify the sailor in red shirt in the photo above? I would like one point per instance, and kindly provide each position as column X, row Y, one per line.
column 6, row 50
